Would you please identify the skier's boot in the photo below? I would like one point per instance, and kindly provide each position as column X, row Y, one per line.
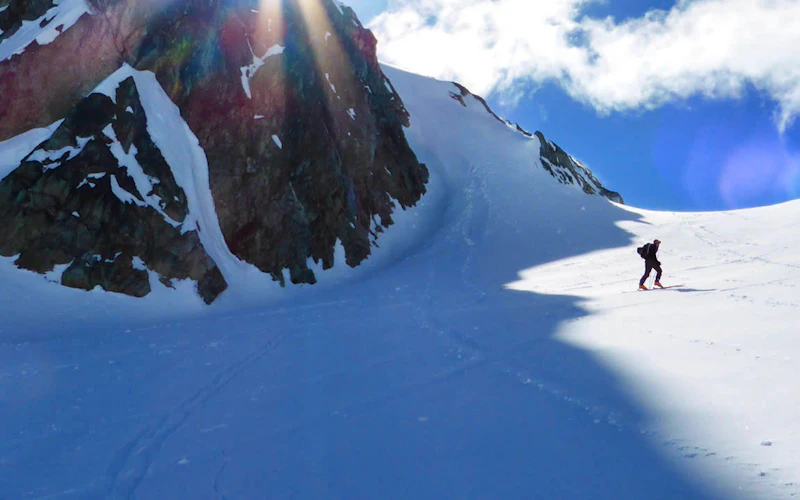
column 642, row 287
column 658, row 284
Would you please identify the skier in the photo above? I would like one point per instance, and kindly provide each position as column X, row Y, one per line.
column 648, row 253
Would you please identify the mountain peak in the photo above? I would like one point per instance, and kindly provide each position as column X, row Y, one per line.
column 563, row 167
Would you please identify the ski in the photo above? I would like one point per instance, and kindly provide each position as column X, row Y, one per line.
column 658, row 288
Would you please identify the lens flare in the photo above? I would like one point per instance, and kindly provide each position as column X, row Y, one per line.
column 761, row 169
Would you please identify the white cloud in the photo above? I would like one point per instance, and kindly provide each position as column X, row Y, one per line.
column 709, row 47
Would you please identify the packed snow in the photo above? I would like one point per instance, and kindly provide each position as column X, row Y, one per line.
column 15, row 149
column 495, row 346
column 62, row 16
column 88, row 180
column 54, row 159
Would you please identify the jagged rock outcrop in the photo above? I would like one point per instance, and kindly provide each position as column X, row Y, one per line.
column 301, row 133
column 99, row 197
column 568, row 170
column 562, row 166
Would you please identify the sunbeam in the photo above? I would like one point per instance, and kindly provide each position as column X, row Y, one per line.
column 270, row 26
column 349, row 119
column 334, row 71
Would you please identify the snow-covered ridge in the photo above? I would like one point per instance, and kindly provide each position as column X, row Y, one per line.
column 59, row 18
column 562, row 166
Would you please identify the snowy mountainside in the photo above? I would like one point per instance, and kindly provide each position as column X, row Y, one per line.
column 501, row 352
column 562, row 166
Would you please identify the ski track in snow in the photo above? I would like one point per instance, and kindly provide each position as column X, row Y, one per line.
column 494, row 356
column 130, row 463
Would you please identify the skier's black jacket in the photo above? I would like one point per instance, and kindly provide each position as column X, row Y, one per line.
column 649, row 253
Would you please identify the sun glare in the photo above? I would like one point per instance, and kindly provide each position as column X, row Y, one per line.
column 335, row 75
column 270, row 21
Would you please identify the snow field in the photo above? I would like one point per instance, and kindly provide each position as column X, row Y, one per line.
column 495, row 347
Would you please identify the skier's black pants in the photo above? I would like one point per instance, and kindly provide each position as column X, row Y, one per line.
column 648, row 267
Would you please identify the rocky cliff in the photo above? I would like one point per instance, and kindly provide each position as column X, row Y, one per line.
column 288, row 120
column 99, row 198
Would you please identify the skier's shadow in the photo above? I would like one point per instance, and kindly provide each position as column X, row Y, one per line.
column 693, row 290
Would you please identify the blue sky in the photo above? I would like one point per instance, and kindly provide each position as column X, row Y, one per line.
column 670, row 105
column 681, row 156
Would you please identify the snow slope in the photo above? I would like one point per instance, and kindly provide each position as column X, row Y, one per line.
column 494, row 348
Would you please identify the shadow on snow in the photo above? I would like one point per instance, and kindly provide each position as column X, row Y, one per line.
column 429, row 380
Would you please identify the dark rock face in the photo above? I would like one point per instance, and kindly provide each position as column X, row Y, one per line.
column 562, row 166
column 303, row 135
column 72, row 201
column 302, row 132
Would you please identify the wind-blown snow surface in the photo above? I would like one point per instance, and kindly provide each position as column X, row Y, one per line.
column 495, row 348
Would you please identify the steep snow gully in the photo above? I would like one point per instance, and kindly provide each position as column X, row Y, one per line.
column 485, row 352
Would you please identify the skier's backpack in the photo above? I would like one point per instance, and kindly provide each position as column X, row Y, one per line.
column 642, row 251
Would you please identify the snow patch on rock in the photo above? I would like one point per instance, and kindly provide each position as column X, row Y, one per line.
column 249, row 71
column 62, row 16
